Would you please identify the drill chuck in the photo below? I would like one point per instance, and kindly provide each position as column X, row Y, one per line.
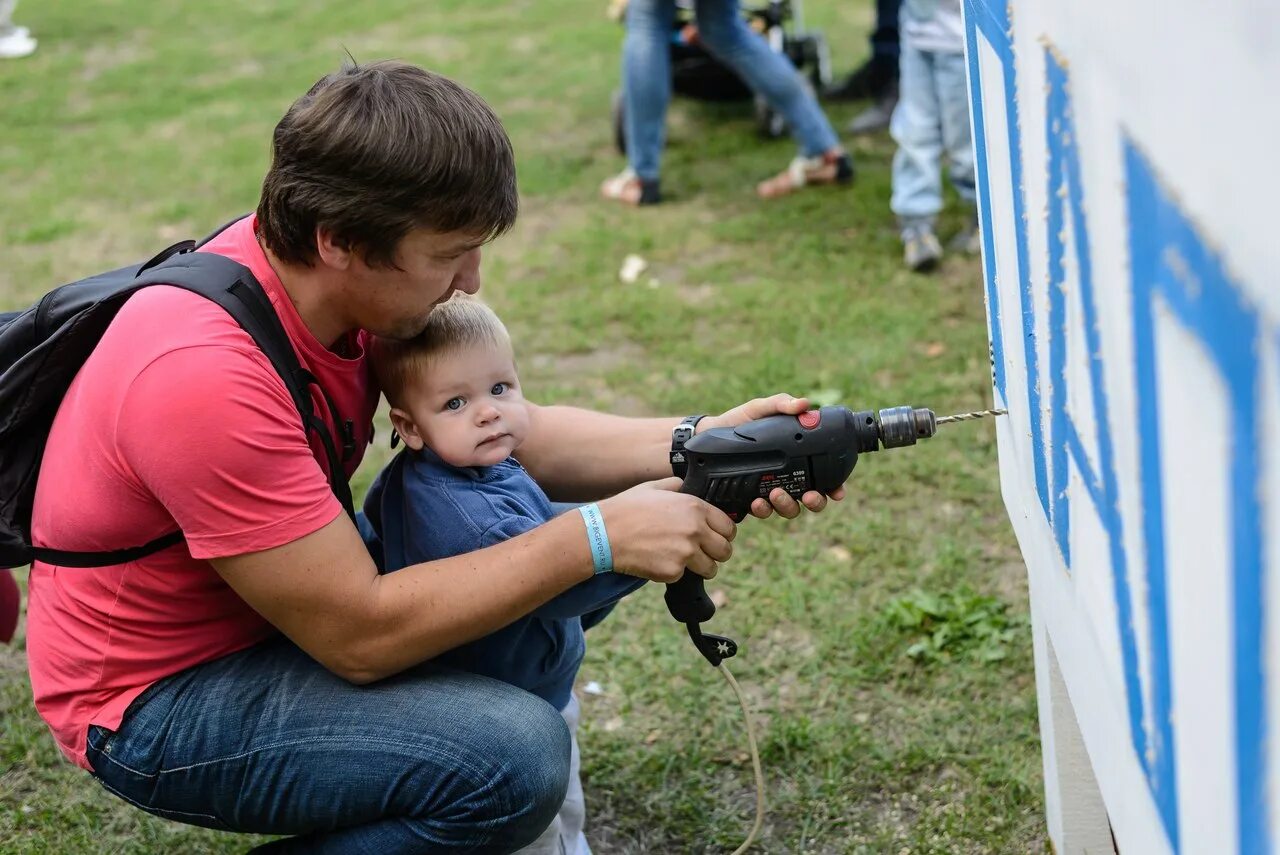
column 901, row 426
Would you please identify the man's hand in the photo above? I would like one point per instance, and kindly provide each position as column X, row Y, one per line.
column 656, row 532
column 779, row 499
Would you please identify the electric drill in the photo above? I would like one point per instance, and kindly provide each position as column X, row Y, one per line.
column 816, row 450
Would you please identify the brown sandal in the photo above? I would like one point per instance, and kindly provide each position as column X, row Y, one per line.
column 830, row 168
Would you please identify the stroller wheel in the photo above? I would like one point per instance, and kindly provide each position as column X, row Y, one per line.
column 619, row 122
column 769, row 123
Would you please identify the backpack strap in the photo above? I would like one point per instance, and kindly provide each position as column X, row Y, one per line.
column 233, row 287
column 64, row 558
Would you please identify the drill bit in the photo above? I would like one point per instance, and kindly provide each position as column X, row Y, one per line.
column 968, row 417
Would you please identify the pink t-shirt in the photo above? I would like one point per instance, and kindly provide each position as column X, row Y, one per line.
column 177, row 420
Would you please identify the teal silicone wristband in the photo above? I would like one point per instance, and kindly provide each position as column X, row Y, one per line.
column 598, row 538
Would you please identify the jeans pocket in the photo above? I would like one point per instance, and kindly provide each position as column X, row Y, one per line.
column 98, row 742
column 133, row 786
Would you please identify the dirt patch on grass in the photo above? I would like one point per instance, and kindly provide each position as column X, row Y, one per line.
column 587, row 375
column 102, row 57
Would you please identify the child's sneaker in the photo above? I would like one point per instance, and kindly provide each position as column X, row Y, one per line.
column 920, row 248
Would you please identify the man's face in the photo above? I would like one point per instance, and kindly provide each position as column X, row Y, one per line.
column 432, row 265
column 468, row 407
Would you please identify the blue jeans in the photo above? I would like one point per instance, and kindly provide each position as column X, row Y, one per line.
column 266, row 740
column 931, row 119
column 646, row 77
column 884, row 38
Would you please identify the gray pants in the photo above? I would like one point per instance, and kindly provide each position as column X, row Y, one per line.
column 564, row 836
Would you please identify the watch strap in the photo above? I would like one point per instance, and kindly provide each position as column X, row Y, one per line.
column 681, row 434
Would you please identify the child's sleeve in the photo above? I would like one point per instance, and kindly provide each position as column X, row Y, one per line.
column 369, row 521
column 372, row 540
column 588, row 596
column 583, row 597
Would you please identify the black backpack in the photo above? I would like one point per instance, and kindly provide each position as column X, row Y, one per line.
column 43, row 347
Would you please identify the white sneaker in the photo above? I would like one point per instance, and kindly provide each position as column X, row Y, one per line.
column 14, row 29
column 15, row 45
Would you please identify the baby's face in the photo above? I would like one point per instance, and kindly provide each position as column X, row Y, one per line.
column 468, row 407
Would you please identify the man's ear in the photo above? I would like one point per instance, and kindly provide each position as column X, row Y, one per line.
column 334, row 251
column 404, row 425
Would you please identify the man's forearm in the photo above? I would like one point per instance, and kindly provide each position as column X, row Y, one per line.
column 323, row 591
column 579, row 455
column 423, row 610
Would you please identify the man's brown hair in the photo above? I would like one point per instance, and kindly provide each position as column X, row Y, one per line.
column 373, row 151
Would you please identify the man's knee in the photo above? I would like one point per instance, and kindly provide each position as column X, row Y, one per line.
column 533, row 762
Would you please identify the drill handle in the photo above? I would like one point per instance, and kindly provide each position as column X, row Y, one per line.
column 687, row 599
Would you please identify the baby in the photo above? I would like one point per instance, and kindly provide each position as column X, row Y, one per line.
column 455, row 401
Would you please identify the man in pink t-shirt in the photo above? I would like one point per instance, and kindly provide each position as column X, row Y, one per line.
column 261, row 676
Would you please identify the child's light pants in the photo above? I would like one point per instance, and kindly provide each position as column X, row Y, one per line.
column 931, row 119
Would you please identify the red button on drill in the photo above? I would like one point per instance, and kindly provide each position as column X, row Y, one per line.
column 810, row 420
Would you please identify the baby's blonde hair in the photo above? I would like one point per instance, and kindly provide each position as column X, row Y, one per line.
column 462, row 321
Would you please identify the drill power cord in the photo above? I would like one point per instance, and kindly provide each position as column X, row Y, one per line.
column 896, row 427
column 755, row 760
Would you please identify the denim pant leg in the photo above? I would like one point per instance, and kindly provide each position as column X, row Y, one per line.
column 916, row 126
column 266, row 740
column 884, row 38
column 646, row 82
column 953, row 95
column 771, row 75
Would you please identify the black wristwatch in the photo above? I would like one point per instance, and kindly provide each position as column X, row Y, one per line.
column 680, row 434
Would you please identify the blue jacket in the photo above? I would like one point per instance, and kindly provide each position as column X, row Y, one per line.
column 422, row 509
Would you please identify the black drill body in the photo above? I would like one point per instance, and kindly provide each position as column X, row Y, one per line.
column 732, row 467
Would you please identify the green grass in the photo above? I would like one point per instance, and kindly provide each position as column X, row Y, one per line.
column 137, row 124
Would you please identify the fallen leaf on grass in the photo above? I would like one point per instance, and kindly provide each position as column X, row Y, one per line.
column 632, row 266
column 839, row 553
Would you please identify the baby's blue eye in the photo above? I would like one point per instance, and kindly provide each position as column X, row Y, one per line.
column 453, row 404
column 498, row 389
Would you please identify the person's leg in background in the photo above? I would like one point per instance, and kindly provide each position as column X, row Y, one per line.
column 917, row 164
column 957, row 136
column 878, row 77
column 646, row 92
column 266, row 740
column 15, row 41
column 874, row 77
column 725, row 34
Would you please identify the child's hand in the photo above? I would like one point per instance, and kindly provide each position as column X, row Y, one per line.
column 656, row 532
column 779, row 500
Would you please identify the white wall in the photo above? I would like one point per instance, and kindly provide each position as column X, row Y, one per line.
column 1128, row 156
